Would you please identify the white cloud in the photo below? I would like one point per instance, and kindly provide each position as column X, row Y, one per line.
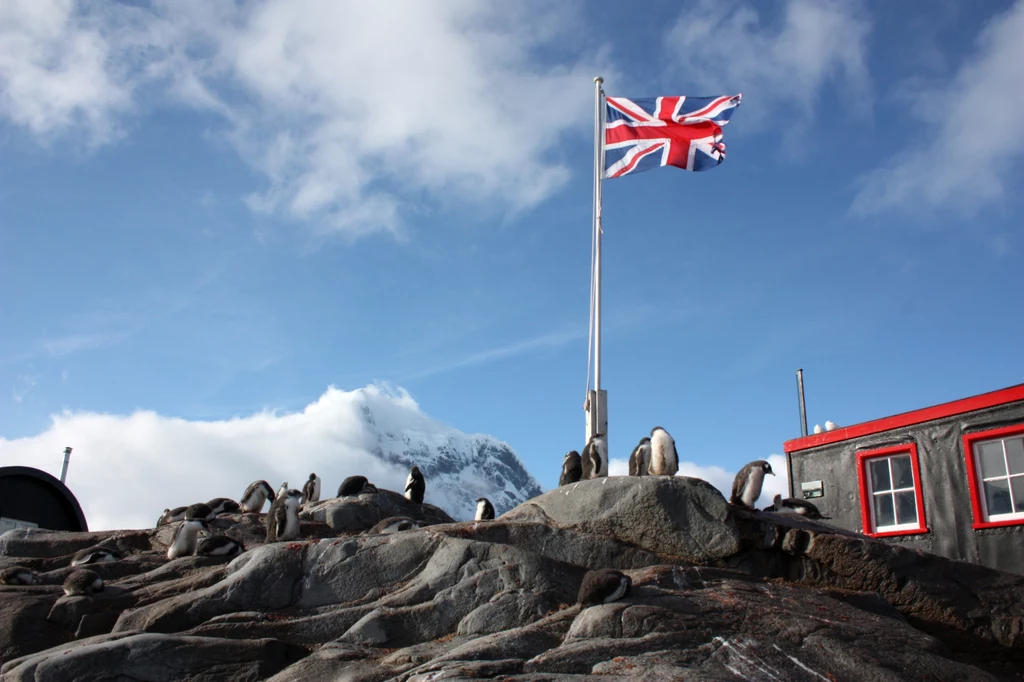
column 722, row 479
column 23, row 385
column 125, row 470
column 351, row 112
column 725, row 47
column 974, row 131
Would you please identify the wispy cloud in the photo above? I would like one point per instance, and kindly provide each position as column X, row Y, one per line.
column 974, row 131
column 74, row 343
column 727, row 47
column 547, row 341
column 446, row 108
column 23, row 385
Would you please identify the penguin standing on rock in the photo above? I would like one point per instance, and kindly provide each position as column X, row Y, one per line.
column 640, row 460
column 664, row 459
column 415, row 486
column 572, row 468
column 311, row 489
column 793, row 505
column 283, row 518
column 184, row 542
column 19, row 575
column 746, row 487
column 603, row 587
column 283, row 489
column 82, row 583
column 95, row 555
column 355, row 485
column 595, row 457
column 255, row 495
column 484, row 509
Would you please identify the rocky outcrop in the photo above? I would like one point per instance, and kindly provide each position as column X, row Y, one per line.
column 718, row 593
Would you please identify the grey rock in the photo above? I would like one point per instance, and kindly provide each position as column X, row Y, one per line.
column 668, row 515
column 363, row 512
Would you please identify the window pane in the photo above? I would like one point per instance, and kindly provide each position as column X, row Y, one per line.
column 997, row 494
column 990, row 459
column 902, row 475
column 884, row 513
column 906, row 508
column 1015, row 455
column 879, row 474
column 1018, row 492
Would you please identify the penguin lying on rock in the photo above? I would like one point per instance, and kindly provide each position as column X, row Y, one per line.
column 603, row 587
column 82, row 583
column 97, row 554
column 793, row 505
column 19, row 575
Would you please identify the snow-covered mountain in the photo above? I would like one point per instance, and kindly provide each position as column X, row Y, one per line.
column 126, row 469
column 458, row 467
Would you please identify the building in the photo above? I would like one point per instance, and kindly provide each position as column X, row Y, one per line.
column 947, row 479
column 31, row 498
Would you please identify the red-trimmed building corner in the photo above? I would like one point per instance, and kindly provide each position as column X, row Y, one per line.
column 947, row 479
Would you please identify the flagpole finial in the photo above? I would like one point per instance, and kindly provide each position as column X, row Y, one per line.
column 599, row 80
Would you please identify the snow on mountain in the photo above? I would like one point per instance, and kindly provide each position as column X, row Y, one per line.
column 126, row 469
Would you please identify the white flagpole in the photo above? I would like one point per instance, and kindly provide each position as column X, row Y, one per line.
column 597, row 412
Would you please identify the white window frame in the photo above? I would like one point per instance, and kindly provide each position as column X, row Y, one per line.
column 975, row 453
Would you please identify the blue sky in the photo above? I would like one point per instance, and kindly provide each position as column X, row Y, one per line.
column 211, row 210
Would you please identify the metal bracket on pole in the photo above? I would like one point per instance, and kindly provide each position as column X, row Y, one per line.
column 597, row 413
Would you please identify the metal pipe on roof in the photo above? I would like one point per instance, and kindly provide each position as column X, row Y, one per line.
column 64, row 469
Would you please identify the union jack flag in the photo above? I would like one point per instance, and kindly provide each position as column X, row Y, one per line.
column 686, row 132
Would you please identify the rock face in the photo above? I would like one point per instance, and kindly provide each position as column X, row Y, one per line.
column 718, row 593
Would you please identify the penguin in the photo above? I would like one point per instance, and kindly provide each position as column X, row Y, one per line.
column 223, row 505
column 283, row 518
column 793, row 505
column 395, row 524
column 311, row 490
column 572, row 468
column 355, row 485
column 219, row 545
column 255, row 495
column 19, row 575
column 97, row 554
column 603, row 586
column 82, row 583
column 170, row 516
column 595, row 457
column 484, row 509
column 664, row 459
column 199, row 510
column 184, row 542
column 640, row 460
column 284, row 489
column 746, row 487
column 415, row 486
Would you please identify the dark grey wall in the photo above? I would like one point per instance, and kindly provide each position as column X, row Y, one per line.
column 947, row 499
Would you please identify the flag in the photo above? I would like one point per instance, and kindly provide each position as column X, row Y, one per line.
column 686, row 132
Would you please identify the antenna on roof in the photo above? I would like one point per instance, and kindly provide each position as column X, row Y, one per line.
column 803, row 407
column 64, row 469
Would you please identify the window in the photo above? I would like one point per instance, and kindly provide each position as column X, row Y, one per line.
column 7, row 524
column 995, row 472
column 890, row 491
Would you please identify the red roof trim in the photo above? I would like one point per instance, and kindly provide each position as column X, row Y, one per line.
column 978, row 402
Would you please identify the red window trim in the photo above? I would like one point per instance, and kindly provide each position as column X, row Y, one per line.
column 973, row 479
column 865, row 507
